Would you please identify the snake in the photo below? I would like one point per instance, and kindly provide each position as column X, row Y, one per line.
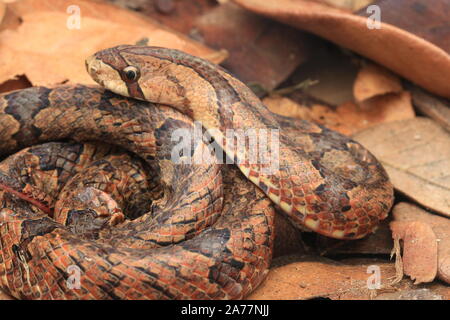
column 98, row 200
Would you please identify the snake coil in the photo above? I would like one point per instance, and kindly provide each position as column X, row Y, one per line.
column 137, row 225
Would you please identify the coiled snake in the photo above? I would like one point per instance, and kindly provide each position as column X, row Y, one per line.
column 149, row 227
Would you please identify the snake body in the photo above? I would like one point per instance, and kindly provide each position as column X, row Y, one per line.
column 184, row 231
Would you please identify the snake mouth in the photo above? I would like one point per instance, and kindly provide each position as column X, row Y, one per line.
column 106, row 75
column 94, row 68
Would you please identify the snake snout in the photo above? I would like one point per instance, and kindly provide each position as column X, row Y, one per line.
column 95, row 69
column 91, row 65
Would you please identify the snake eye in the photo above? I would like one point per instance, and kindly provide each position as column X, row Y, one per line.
column 131, row 73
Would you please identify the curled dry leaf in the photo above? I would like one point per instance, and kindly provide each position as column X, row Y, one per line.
column 441, row 228
column 295, row 277
column 379, row 109
column 407, row 54
column 348, row 118
column 48, row 47
column 373, row 80
column 351, row 5
column 265, row 52
column 416, row 155
column 424, row 18
column 2, row 11
column 419, row 249
column 10, row 20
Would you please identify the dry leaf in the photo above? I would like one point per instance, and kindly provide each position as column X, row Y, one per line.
column 2, row 11
column 441, row 228
column 20, row 82
column 407, row 54
column 416, row 155
column 419, row 249
column 265, row 52
column 10, row 20
column 380, row 109
column 351, row 5
column 311, row 277
column 434, row 107
column 47, row 51
column 423, row 18
column 373, row 80
column 348, row 118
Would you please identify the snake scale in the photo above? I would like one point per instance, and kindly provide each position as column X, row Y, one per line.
column 136, row 224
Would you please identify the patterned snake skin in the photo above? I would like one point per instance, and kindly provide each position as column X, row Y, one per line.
column 137, row 225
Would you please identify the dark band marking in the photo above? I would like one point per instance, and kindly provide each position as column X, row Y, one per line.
column 38, row 227
column 113, row 58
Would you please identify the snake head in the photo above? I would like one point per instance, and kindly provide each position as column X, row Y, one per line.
column 107, row 68
column 154, row 74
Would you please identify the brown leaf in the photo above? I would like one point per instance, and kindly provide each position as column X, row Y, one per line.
column 416, row 155
column 294, row 277
column 373, row 80
column 265, row 52
column 10, row 20
column 406, row 54
column 419, row 249
column 379, row 109
column 19, row 82
column 45, row 50
column 351, row 5
column 441, row 228
column 434, row 107
column 348, row 118
column 424, row 18
column 2, row 11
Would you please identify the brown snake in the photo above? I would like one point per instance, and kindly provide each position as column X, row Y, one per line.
column 148, row 227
